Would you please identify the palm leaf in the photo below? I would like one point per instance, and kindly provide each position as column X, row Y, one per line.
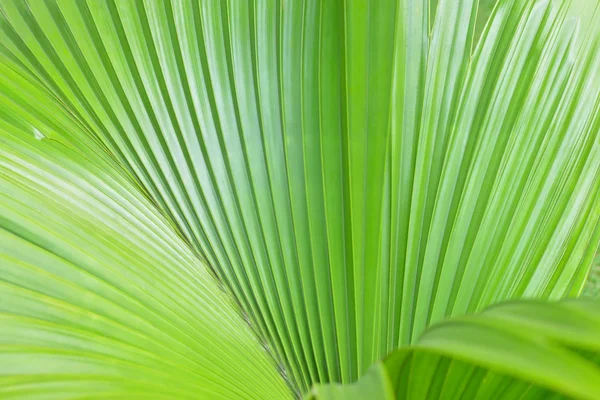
column 83, row 314
column 349, row 177
column 525, row 350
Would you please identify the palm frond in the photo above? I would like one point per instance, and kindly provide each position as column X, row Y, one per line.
column 525, row 350
column 351, row 175
column 99, row 295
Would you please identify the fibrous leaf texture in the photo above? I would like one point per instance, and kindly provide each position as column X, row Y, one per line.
column 242, row 199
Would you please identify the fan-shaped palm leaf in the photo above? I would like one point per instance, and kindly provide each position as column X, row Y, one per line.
column 347, row 174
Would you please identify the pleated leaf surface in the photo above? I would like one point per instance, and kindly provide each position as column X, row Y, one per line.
column 517, row 350
column 101, row 298
column 350, row 174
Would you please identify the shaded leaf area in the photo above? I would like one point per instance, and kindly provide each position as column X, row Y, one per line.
column 349, row 177
column 519, row 350
column 100, row 297
column 592, row 285
column 375, row 384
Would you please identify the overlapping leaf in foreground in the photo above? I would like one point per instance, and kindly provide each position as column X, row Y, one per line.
column 523, row 350
column 350, row 176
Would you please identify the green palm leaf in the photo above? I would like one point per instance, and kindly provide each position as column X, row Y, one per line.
column 347, row 173
column 525, row 350
column 83, row 314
